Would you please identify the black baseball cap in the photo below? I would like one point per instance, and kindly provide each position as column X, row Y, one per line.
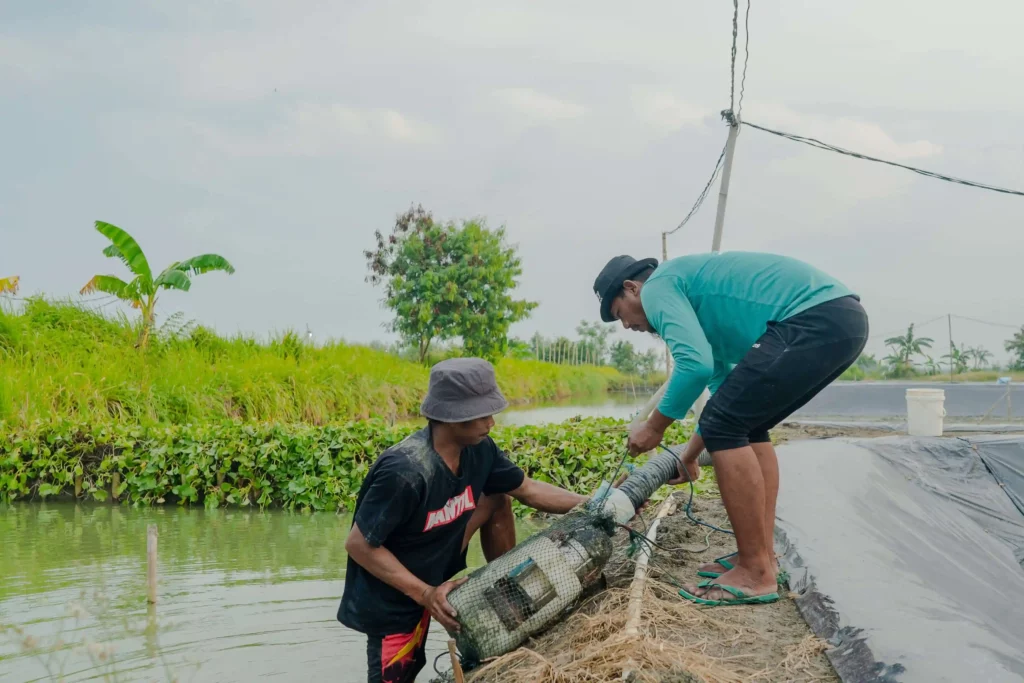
column 609, row 281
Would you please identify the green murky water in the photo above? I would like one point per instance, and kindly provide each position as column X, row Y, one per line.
column 242, row 595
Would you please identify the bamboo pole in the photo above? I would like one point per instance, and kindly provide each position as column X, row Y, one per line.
column 456, row 664
column 636, row 588
column 651, row 404
column 151, row 543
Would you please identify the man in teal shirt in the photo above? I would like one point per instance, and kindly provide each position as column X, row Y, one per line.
column 766, row 334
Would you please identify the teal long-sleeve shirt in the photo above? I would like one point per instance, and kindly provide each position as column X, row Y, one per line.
column 711, row 308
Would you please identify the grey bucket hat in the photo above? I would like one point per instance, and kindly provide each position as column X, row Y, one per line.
column 462, row 389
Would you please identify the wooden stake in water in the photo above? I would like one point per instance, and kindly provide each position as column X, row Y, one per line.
column 151, row 539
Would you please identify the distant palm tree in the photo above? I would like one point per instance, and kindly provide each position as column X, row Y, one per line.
column 904, row 349
column 141, row 292
column 980, row 356
column 931, row 367
column 9, row 285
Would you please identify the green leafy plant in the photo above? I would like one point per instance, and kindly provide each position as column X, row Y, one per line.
column 141, row 292
column 1015, row 345
column 263, row 465
column 905, row 348
column 957, row 359
column 446, row 281
column 624, row 358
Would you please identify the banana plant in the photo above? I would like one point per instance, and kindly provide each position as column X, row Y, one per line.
column 141, row 292
column 9, row 285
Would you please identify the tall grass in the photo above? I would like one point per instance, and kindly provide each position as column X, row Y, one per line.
column 58, row 360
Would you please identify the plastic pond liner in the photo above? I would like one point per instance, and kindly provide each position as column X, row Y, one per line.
column 906, row 554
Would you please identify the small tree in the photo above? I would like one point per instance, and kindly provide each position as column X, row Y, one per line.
column 957, row 358
column 904, row 349
column 142, row 291
column 624, row 358
column 867, row 362
column 443, row 281
column 648, row 362
column 594, row 339
column 1015, row 346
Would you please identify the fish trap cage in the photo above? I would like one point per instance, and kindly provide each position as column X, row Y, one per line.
column 522, row 592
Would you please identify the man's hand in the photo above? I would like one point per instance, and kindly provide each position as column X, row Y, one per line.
column 644, row 438
column 435, row 601
column 686, row 467
column 688, row 461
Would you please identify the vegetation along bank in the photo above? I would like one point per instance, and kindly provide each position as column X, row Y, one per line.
column 60, row 359
column 295, row 466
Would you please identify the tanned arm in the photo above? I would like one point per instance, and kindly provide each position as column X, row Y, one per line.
column 546, row 497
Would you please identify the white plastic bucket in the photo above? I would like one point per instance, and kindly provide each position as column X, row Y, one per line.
column 925, row 410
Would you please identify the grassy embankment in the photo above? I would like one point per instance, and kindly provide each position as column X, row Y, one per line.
column 59, row 361
column 202, row 419
column 856, row 374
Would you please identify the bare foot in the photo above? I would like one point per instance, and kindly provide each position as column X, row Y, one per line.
column 715, row 567
column 751, row 583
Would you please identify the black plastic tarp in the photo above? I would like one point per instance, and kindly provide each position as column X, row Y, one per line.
column 906, row 554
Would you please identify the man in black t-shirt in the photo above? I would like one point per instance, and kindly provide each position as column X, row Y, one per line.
column 421, row 502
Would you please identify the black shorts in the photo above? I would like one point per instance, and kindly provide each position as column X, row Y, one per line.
column 788, row 366
column 398, row 657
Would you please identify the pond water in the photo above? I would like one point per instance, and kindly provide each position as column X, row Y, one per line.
column 619, row 405
column 242, row 594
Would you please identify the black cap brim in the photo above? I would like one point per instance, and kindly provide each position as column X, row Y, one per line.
column 615, row 286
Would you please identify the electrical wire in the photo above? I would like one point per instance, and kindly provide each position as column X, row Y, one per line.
column 703, row 194
column 813, row 142
column 746, row 59
column 918, row 325
column 438, row 658
column 986, row 322
column 732, row 60
column 689, row 503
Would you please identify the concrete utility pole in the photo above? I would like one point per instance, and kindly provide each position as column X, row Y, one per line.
column 716, row 246
column 723, row 191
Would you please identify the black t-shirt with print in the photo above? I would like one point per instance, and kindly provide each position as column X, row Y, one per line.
column 412, row 504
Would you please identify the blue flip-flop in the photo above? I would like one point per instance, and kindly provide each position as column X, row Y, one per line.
column 739, row 597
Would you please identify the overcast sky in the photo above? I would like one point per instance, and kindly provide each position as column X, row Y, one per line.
column 281, row 135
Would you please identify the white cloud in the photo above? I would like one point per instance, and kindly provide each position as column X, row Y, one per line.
column 663, row 110
column 846, row 132
column 538, row 106
column 315, row 128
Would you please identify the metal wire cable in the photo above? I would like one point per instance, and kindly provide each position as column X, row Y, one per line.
column 746, row 59
column 920, row 171
column 703, row 194
column 900, row 331
column 986, row 322
column 732, row 60
column 689, row 503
